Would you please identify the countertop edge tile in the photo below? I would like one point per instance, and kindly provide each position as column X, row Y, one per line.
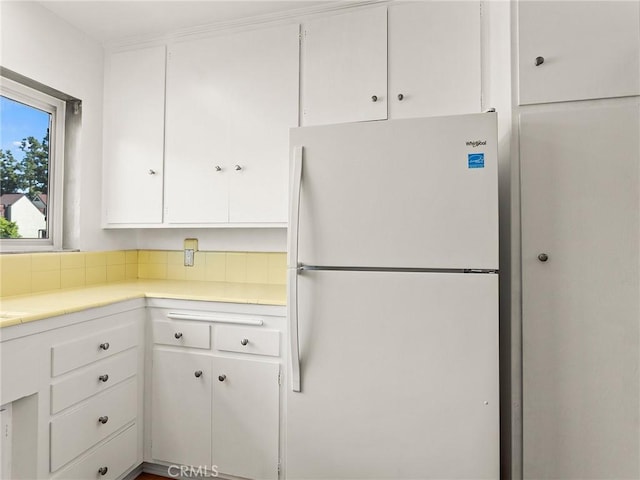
column 74, row 300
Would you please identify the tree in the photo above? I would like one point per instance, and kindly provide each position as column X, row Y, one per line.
column 8, row 229
column 29, row 175
column 11, row 178
column 35, row 165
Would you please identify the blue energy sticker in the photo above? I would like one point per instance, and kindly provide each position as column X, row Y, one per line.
column 475, row 160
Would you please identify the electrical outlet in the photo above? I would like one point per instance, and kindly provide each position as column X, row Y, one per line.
column 190, row 249
column 189, row 257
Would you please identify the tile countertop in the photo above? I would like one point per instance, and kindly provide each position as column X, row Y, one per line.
column 27, row 308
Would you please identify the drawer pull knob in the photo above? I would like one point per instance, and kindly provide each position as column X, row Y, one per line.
column 539, row 61
column 104, row 346
column 543, row 257
column 198, row 373
column 103, row 378
column 237, row 168
column 178, row 335
column 374, row 98
column 400, row 96
column 244, row 341
column 222, row 378
column 103, row 419
column 103, row 470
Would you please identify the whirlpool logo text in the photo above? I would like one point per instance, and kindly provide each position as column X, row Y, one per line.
column 476, row 143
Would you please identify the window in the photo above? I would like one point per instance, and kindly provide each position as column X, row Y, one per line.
column 31, row 159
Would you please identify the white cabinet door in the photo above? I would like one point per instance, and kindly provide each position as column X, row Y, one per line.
column 181, row 408
column 134, row 136
column 19, row 368
column 434, row 58
column 590, row 50
column 246, row 418
column 230, row 103
column 263, row 83
column 345, row 68
column 580, row 197
column 198, row 126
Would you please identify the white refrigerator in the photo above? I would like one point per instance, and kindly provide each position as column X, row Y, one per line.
column 393, row 300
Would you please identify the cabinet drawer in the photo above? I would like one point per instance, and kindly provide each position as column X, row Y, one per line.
column 248, row 340
column 74, row 354
column 114, row 458
column 75, row 432
column 93, row 380
column 179, row 334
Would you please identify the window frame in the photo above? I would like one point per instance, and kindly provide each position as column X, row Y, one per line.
column 56, row 108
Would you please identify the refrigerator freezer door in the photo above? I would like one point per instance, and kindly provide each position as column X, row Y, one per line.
column 412, row 193
column 399, row 377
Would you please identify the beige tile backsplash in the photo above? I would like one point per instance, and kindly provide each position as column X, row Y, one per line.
column 38, row 272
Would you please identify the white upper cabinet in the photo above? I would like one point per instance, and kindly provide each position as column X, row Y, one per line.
column 578, row 50
column 432, row 66
column 231, row 100
column 434, row 59
column 344, row 71
column 134, row 136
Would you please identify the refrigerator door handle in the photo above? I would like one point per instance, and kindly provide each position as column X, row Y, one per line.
column 292, row 307
column 294, row 207
column 292, row 262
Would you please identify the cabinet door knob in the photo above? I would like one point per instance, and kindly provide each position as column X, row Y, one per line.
column 543, row 257
column 103, row 378
column 152, row 172
column 237, row 168
column 198, row 373
column 374, row 98
column 103, row 419
column 222, row 378
column 103, row 470
column 178, row 335
column 400, row 96
column 218, row 168
column 539, row 61
column 244, row 341
column 104, row 346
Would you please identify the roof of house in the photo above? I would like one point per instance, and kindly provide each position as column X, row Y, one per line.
column 9, row 199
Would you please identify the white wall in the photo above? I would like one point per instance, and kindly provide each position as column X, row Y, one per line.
column 41, row 46
column 216, row 239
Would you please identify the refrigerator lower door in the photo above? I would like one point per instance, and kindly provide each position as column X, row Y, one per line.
column 399, row 377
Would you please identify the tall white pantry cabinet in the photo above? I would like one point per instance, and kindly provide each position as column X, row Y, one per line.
column 579, row 136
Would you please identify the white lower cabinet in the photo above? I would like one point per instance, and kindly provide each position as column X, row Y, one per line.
column 76, row 403
column 216, row 410
column 246, row 397
column 93, row 394
column 181, row 408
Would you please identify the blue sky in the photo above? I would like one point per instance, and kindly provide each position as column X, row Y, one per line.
column 18, row 121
